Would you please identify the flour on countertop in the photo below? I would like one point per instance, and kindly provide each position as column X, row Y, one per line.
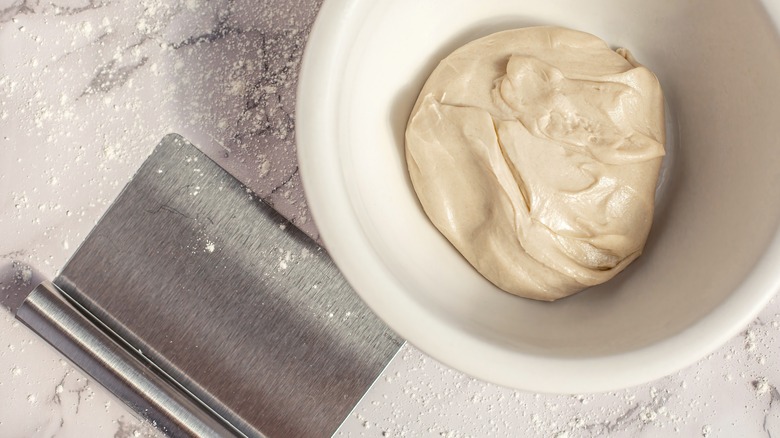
column 761, row 386
column 22, row 273
column 750, row 340
column 108, row 60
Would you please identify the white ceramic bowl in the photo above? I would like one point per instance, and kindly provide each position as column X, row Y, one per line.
column 713, row 257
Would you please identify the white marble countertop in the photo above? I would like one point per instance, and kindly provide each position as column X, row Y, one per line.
column 88, row 88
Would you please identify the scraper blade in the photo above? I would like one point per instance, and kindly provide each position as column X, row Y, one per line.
column 222, row 299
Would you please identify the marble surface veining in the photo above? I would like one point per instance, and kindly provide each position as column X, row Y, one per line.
column 87, row 89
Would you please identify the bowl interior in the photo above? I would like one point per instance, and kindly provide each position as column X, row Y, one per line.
column 719, row 66
column 710, row 262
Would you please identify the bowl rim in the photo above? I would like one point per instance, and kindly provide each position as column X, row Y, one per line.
column 327, row 196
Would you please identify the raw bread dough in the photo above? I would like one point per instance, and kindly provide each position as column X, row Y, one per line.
column 536, row 152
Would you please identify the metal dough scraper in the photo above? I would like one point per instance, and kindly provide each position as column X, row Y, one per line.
column 209, row 313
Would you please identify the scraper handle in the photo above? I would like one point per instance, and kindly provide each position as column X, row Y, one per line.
column 57, row 319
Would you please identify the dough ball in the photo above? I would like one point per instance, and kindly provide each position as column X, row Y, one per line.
column 536, row 153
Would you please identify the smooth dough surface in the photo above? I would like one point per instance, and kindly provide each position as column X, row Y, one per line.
column 536, row 153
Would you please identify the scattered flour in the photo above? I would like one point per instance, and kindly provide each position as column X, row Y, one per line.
column 750, row 340
column 285, row 260
column 264, row 168
column 22, row 273
column 86, row 28
column 761, row 386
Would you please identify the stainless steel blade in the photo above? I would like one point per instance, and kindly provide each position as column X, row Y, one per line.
column 228, row 299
